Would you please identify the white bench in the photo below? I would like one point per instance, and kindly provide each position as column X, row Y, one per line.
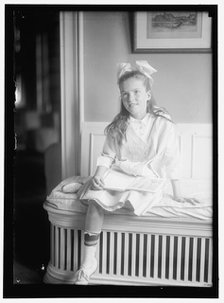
column 138, row 250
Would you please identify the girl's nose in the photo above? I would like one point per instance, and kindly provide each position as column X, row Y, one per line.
column 131, row 96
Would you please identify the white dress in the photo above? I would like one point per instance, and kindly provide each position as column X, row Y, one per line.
column 147, row 158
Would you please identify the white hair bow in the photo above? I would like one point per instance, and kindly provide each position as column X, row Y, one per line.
column 142, row 66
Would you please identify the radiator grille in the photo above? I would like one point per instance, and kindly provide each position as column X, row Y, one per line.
column 133, row 256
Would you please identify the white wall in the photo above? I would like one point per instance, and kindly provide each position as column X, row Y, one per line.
column 182, row 83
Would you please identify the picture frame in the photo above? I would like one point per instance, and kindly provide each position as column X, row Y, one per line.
column 172, row 31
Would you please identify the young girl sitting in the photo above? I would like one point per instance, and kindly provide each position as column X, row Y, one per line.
column 141, row 147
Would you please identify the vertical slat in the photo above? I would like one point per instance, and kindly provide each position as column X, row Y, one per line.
column 81, row 249
column 133, row 254
column 148, row 257
column 62, row 249
column 97, row 257
column 68, row 261
column 144, row 255
column 194, row 263
column 56, row 246
column 52, row 244
column 171, row 257
column 129, row 253
column 104, row 255
column 141, row 253
column 75, row 249
column 111, row 253
column 126, row 250
column 163, row 269
column 202, row 265
column 186, row 263
column 206, row 260
column 179, row 256
column 119, row 253
column 159, row 255
column 72, row 254
column 198, row 259
column 108, row 252
column 210, row 258
column 156, row 256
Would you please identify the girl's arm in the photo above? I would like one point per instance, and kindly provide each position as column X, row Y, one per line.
column 97, row 180
column 104, row 162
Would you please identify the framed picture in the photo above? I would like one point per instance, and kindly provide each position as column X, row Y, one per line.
column 172, row 31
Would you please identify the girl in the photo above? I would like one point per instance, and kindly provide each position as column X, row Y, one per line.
column 139, row 154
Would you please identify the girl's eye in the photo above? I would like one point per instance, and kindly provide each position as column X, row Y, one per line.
column 124, row 95
column 137, row 92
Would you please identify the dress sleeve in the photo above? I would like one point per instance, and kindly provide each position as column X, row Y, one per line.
column 108, row 154
column 172, row 153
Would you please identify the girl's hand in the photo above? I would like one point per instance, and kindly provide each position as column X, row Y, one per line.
column 97, row 183
column 179, row 199
column 192, row 201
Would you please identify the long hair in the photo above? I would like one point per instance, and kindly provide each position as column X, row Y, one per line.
column 117, row 128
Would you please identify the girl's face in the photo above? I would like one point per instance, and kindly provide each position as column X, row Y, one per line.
column 134, row 97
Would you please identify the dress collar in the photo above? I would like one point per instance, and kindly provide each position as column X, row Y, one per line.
column 140, row 121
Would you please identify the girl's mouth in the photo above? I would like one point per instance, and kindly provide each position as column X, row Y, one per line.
column 132, row 104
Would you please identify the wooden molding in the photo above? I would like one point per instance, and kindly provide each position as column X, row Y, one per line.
column 71, row 64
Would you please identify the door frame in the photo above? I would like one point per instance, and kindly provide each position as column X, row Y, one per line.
column 72, row 90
